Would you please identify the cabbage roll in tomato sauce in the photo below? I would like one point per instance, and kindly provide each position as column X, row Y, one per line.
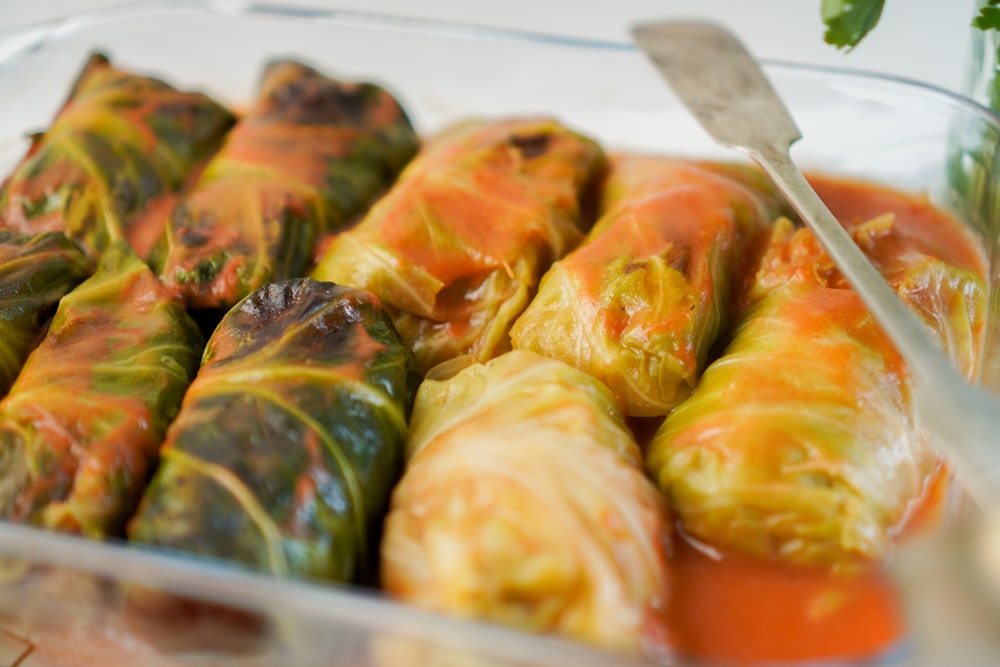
column 641, row 302
column 107, row 169
column 308, row 156
column 457, row 246
column 81, row 427
column 800, row 443
column 524, row 502
column 290, row 438
column 35, row 272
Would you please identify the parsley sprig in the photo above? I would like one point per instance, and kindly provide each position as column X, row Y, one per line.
column 848, row 21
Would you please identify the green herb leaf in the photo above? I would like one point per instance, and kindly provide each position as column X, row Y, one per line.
column 848, row 21
column 989, row 17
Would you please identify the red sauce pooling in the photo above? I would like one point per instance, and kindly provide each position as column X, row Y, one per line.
column 933, row 230
column 736, row 609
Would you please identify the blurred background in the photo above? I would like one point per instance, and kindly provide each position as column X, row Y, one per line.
column 926, row 40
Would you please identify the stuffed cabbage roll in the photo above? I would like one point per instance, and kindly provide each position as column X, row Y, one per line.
column 290, row 438
column 118, row 149
column 640, row 303
column 35, row 272
column 800, row 443
column 458, row 245
column 80, row 428
column 310, row 154
column 524, row 502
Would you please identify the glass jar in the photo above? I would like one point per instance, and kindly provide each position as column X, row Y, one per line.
column 981, row 81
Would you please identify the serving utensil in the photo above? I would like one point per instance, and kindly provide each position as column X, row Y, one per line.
column 724, row 88
column 726, row 91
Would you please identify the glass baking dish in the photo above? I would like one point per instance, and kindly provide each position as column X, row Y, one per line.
column 63, row 599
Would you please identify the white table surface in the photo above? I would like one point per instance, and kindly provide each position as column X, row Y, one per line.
column 926, row 40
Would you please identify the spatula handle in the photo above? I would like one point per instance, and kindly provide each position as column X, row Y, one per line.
column 724, row 88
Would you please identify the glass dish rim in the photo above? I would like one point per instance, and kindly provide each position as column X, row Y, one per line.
column 311, row 601
column 325, row 601
column 24, row 39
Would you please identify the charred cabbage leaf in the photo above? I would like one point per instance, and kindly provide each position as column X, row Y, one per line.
column 35, row 272
column 290, row 438
column 118, row 149
column 309, row 155
column 80, row 429
column 458, row 245
column 524, row 503
column 800, row 442
column 640, row 303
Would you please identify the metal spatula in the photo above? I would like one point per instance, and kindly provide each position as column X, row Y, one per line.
column 724, row 88
column 726, row 91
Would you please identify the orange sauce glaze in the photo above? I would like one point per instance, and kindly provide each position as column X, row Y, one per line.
column 933, row 230
column 733, row 609
column 730, row 608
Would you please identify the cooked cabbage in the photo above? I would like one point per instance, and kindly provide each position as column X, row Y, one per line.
column 291, row 437
column 81, row 427
column 641, row 302
column 458, row 245
column 800, row 442
column 524, row 503
column 35, row 272
column 309, row 155
column 118, row 145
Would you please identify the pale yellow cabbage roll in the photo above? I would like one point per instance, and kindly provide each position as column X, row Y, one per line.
column 641, row 302
column 524, row 503
column 801, row 443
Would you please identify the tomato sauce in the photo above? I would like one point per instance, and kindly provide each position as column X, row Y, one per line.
column 931, row 229
column 736, row 609
column 732, row 608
